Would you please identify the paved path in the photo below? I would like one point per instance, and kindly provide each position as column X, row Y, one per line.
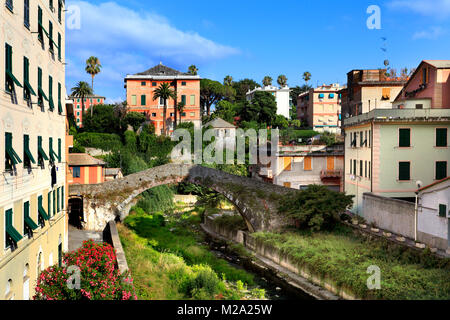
column 76, row 237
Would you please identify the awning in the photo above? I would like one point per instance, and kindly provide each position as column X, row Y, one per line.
column 13, row 233
column 14, row 79
column 29, row 88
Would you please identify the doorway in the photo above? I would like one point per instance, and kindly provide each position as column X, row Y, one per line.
column 76, row 212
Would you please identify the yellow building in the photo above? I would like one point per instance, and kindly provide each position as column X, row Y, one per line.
column 33, row 192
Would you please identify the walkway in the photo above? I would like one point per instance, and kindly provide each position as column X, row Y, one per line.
column 76, row 237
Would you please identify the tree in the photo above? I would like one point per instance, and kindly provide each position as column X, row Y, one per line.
column 134, row 119
column 282, row 81
column 193, row 70
column 267, row 81
column 297, row 90
column 211, row 92
column 103, row 120
column 226, row 111
column 164, row 92
column 93, row 67
column 280, row 122
column 179, row 108
column 242, row 87
column 81, row 90
column 262, row 109
column 306, row 76
column 404, row 73
column 228, row 81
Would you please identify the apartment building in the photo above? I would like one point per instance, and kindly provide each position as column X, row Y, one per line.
column 298, row 167
column 140, row 92
column 320, row 108
column 89, row 101
column 368, row 90
column 388, row 150
column 33, row 187
column 85, row 169
column 282, row 98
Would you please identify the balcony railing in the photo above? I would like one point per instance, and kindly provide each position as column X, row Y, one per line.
column 330, row 174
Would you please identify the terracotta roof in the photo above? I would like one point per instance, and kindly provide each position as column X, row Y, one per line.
column 440, row 64
column 219, row 123
column 83, row 159
column 87, row 96
column 434, row 183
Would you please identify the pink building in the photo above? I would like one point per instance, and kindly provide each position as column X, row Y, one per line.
column 428, row 87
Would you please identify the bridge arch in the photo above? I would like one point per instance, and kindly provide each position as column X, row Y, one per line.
column 255, row 200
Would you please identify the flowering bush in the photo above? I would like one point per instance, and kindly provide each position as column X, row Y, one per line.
column 90, row 273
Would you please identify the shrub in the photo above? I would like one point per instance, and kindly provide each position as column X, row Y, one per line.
column 104, row 141
column 316, row 208
column 100, row 278
column 202, row 283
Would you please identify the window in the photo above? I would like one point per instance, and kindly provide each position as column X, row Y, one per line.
column 143, row 100
column 425, row 75
column 60, row 107
column 50, row 36
column 154, row 114
column 386, row 94
column 12, row 236
column 41, row 153
column 354, row 167
column 28, row 90
column 183, row 83
column 143, row 83
column 9, row 5
column 52, row 152
column 60, row 10
column 361, row 168
column 28, row 224
column 27, row 156
column 183, row 114
column 404, row 140
column 11, row 157
column 441, row 170
column 76, row 172
column 307, row 164
column 153, row 84
column 59, row 46
column 54, row 203
column 287, row 163
column 26, row 13
column 59, row 149
column 11, row 80
column 370, row 169
column 41, row 93
column 351, row 162
column 321, row 96
column 62, row 198
column 192, row 114
column 441, row 137
column 49, row 203
column 419, row 106
column 404, row 171
column 365, row 169
column 50, row 93
column 331, row 96
column 42, row 214
column 442, row 210
column 192, row 100
column 41, row 29
column 161, row 101
column 51, row 5
column 183, row 99
column 133, row 100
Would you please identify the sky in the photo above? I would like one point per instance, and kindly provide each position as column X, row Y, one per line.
column 250, row 39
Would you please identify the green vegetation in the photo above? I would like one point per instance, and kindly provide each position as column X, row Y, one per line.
column 168, row 260
column 104, row 141
column 343, row 257
column 231, row 222
column 316, row 208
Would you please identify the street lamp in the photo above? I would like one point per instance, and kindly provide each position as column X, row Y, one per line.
column 416, row 209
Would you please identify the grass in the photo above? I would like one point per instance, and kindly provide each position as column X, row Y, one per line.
column 167, row 258
column 231, row 222
column 344, row 257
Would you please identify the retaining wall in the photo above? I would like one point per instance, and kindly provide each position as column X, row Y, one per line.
column 111, row 236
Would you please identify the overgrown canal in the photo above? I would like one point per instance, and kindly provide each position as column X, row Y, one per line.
column 170, row 257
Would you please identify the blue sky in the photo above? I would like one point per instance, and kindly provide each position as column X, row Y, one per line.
column 251, row 39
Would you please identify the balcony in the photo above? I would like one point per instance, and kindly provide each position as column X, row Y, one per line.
column 330, row 174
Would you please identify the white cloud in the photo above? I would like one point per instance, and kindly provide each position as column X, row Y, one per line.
column 128, row 41
column 435, row 8
column 431, row 34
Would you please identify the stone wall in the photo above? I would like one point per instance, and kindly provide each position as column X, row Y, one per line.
column 394, row 215
column 111, row 236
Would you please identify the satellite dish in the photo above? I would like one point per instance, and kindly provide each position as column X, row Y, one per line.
column 386, row 62
column 419, row 184
column 347, row 115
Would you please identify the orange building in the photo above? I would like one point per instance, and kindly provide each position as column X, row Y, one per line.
column 140, row 88
column 85, row 169
column 89, row 101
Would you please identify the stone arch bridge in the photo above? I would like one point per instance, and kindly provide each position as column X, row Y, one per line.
column 255, row 200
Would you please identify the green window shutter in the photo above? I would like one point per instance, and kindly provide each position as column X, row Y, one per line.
column 50, row 149
column 183, row 99
column 58, row 200
column 360, row 168
column 54, row 203
column 26, row 76
column 9, row 228
column 41, row 209
column 60, row 108
column 49, row 204
column 50, row 93
column 26, row 149
column 192, row 100
column 41, row 151
column 59, row 150
column 143, row 100
column 404, row 138
column 404, row 171
column 441, row 137
column 442, row 211
column 26, row 217
column 62, row 198
column 59, row 46
column 9, row 150
column 441, row 170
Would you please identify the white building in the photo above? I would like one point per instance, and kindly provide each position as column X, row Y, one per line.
column 433, row 223
column 282, row 97
column 225, row 133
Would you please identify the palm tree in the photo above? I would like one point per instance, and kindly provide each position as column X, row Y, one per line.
column 228, row 81
column 179, row 108
column 164, row 92
column 267, row 81
column 404, row 73
column 81, row 90
column 306, row 76
column 282, row 80
column 93, row 67
column 193, row 70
